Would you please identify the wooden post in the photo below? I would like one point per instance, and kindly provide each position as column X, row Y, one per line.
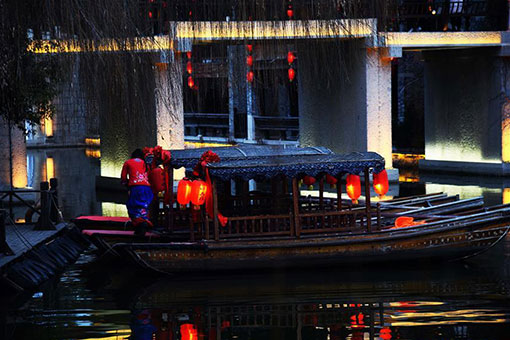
column 54, row 200
column 170, row 212
column 378, row 216
column 295, row 199
column 367, row 200
column 44, row 222
column 339, row 192
column 321, row 193
column 4, row 247
column 215, row 211
column 191, row 224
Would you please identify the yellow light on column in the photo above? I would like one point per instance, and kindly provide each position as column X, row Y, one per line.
column 506, row 195
column 48, row 127
column 50, row 168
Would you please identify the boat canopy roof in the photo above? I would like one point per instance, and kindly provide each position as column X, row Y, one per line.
column 188, row 158
column 311, row 165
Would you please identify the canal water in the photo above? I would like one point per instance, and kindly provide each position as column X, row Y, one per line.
column 94, row 299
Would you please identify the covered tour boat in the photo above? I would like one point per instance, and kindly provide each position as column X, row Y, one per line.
column 274, row 226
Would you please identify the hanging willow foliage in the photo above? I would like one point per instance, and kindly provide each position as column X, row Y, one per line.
column 118, row 80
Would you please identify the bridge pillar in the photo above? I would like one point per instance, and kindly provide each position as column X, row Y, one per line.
column 345, row 108
column 169, row 104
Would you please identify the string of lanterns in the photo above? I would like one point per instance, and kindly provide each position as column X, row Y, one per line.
column 249, row 63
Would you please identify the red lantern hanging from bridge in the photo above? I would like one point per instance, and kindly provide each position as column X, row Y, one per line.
column 249, row 61
column 249, row 76
column 292, row 74
column 353, row 187
column 290, row 12
column 184, row 191
column 381, row 185
column 191, row 82
column 189, row 67
column 198, row 192
column 290, row 57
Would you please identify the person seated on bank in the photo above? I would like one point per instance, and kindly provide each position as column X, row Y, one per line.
column 134, row 175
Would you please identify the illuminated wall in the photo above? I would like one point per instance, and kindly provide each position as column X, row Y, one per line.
column 19, row 159
column 463, row 106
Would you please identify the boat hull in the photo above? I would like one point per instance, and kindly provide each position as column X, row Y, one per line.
column 452, row 241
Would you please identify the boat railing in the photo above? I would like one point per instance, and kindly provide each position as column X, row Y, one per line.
column 263, row 225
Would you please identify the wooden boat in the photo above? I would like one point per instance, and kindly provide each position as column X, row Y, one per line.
column 278, row 230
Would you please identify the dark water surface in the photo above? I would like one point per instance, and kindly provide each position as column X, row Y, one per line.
column 97, row 300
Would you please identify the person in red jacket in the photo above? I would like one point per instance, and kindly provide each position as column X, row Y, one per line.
column 134, row 175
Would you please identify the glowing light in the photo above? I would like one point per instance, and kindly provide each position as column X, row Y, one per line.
column 292, row 74
column 250, row 76
column 189, row 67
column 505, row 133
column 249, row 61
column 241, row 30
column 93, row 153
column 290, row 57
column 438, row 39
column 50, row 168
column 506, row 195
column 191, row 82
column 48, row 127
column 93, row 141
column 156, row 43
column 114, row 209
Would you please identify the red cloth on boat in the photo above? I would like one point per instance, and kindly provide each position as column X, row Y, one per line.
column 134, row 172
column 406, row 221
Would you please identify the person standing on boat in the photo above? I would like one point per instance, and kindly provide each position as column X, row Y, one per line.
column 134, row 175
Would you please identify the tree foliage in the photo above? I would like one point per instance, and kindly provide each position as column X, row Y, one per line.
column 28, row 82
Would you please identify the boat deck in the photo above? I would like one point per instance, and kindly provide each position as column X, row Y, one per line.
column 22, row 238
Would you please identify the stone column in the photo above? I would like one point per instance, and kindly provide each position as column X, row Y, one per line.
column 169, row 104
column 19, row 157
column 378, row 101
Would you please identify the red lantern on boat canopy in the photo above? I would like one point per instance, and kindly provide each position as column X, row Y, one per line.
column 290, row 57
column 184, row 191
column 249, row 76
column 191, row 82
column 249, row 60
column 381, row 185
column 353, row 187
column 188, row 332
column 292, row 74
column 310, row 181
column 189, row 67
column 331, row 180
column 198, row 192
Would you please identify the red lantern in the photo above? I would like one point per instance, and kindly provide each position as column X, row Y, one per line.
column 385, row 333
column 191, row 82
column 188, row 332
column 188, row 54
column 189, row 67
column 331, row 180
column 290, row 57
column 353, row 187
column 184, row 191
column 381, row 185
column 198, row 192
column 250, row 76
column 150, row 15
column 249, row 48
column 249, row 61
column 290, row 13
column 309, row 180
column 292, row 74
